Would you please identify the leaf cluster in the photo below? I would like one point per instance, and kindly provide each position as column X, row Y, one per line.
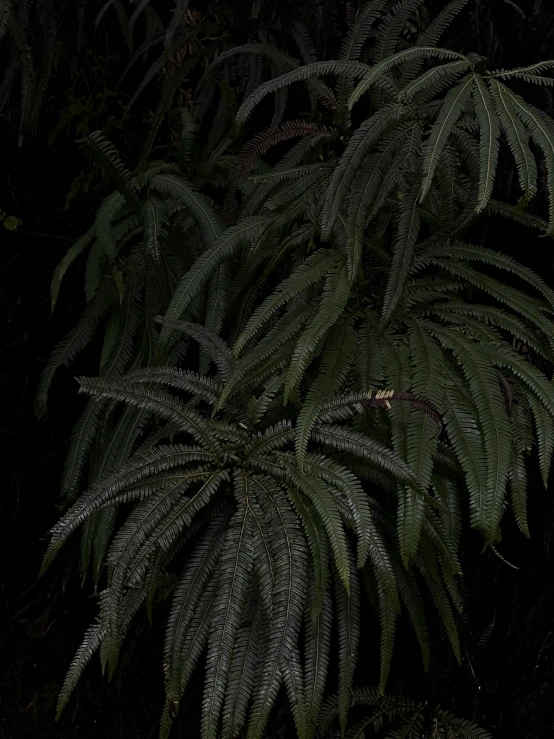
column 311, row 380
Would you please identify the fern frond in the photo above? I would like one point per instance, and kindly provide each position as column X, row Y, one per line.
column 537, row 383
column 367, row 449
column 514, row 213
column 200, row 208
column 406, row 237
column 325, row 505
column 108, row 157
column 317, row 654
column 388, row 611
column 450, row 112
column 335, row 364
column 160, row 518
column 518, row 140
column 315, row 267
column 517, row 484
column 360, row 144
column 531, row 70
column 432, row 33
column 333, row 302
column 357, row 35
column 348, row 622
column 318, row 544
column 82, row 439
column 164, row 405
column 386, row 65
column 493, row 420
column 75, row 341
column 389, row 31
column 235, row 567
column 290, row 558
column 434, row 79
column 155, row 223
column 205, row 266
column 216, row 349
column 246, row 656
column 541, row 131
column 284, row 330
column 489, row 129
column 192, row 583
column 464, row 729
column 203, row 387
column 544, row 431
column 194, row 644
column 294, row 684
column 90, row 644
column 78, row 248
column 306, row 73
column 255, row 149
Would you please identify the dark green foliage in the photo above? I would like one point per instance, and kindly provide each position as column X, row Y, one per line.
column 339, row 382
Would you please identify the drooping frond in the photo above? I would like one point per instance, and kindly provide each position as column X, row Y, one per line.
column 406, row 237
column 75, row 340
column 235, row 565
column 247, row 655
column 290, row 557
column 451, row 110
column 317, row 654
column 379, row 70
column 518, row 140
column 361, row 143
column 489, row 129
column 348, row 623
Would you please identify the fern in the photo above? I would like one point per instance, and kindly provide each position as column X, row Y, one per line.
column 400, row 717
column 170, row 486
column 305, row 370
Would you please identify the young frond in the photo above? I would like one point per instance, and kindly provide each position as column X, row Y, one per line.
column 405, row 240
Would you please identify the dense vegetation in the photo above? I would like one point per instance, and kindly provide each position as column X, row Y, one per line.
column 318, row 362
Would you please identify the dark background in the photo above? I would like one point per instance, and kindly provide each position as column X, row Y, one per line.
column 506, row 681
